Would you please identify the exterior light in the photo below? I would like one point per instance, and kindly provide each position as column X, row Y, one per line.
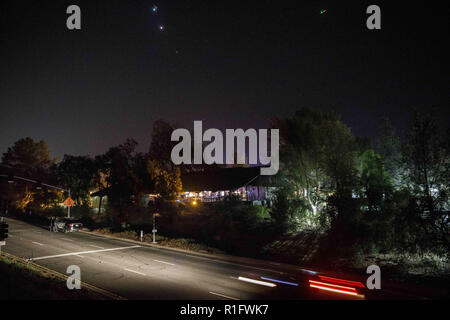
column 194, row 203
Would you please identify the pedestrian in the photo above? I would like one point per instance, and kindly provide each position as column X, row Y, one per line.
column 55, row 229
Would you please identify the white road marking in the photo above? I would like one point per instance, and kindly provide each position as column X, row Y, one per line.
column 91, row 245
column 17, row 230
column 82, row 252
column 77, row 255
column 223, row 296
column 142, row 274
column 66, row 239
column 37, row 243
column 163, row 262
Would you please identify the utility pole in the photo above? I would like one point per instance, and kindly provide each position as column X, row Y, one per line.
column 154, row 228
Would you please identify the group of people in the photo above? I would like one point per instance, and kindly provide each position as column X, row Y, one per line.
column 53, row 227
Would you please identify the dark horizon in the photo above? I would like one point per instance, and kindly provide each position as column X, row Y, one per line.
column 229, row 64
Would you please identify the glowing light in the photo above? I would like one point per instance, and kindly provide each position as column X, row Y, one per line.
column 332, row 285
column 334, row 290
column 161, row 28
column 155, row 8
column 279, row 281
column 323, row 11
column 194, row 202
column 342, row 281
column 261, row 283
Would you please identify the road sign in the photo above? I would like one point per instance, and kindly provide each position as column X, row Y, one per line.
column 69, row 202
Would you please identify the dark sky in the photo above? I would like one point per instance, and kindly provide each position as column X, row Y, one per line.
column 230, row 63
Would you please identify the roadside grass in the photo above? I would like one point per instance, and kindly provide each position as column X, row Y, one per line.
column 21, row 281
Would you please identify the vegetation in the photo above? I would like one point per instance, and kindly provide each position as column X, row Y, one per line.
column 349, row 197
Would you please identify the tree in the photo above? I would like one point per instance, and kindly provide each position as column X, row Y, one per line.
column 165, row 174
column 388, row 146
column 167, row 182
column 375, row 180
column 30, row 157
column 118, row 165
column 301, row 158
column 77, row 173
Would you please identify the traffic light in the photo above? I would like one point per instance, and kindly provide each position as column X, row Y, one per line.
column 3, row 231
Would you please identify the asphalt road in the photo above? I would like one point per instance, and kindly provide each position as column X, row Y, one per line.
column 141, row 272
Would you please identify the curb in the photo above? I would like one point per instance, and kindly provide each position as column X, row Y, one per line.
column 64, row 277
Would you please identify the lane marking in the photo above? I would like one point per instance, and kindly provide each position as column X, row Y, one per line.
column 37, row 243
column 77, row 255
column 261, row 283
column 66, row 239
column 81, row 252
column 142, row 274
column 91, row 245
column 163, row 262
column 223, row 296
column 17, row 230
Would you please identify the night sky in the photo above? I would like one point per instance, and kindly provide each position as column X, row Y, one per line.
column 230, row 63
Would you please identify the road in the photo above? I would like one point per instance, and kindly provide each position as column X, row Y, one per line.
column 141, row 272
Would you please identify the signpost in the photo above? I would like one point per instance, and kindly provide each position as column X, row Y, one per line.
column 69, row 202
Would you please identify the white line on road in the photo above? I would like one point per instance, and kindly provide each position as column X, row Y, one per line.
column 142, row 274
column 66, row 239
column 163, row 262
column 91, row 245
column 37, row 243
column 77, row 255
column 81, row 252
column 223, row 296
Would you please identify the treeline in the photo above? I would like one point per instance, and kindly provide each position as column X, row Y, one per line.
column 126, row 173
column 381, row 196
column 390, row 194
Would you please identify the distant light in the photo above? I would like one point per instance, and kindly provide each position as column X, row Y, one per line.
column 261, row 283
column 323, row 11
column 155, row 8
column 161, row 28
column 194, row 203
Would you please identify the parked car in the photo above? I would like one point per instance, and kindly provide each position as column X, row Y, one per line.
column 68, row 225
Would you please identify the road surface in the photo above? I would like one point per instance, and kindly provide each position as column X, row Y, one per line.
column 141, row 272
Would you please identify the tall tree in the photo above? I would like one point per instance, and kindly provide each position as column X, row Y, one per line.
column 30, row 157
column 388, row 146
column 77, row 173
